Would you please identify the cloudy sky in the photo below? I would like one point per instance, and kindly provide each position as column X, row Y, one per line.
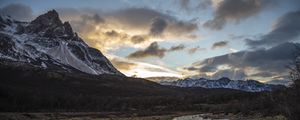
column 239, row 39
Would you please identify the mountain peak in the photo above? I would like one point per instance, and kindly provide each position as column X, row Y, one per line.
column 52, row 12
column 68, row 29
column 51, row 17
column 49, row 44
column 224, row 82
column 224, row 79
column 49, row 25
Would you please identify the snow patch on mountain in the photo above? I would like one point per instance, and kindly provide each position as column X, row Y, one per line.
column 65, row 56
column 244, row 85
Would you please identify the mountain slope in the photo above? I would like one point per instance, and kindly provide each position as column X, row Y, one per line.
column 48, row 43
column 45, row 65
column 249, row 85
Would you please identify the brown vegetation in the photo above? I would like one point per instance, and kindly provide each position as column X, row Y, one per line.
column 28, row 89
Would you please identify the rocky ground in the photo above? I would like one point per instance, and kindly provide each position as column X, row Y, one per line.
column 114, row 116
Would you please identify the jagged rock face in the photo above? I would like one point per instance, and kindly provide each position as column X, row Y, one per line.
column 49, row 25
column 4, row 21
column 48, row 43
column 44, row 22
column 249, row 85
column 6, row 45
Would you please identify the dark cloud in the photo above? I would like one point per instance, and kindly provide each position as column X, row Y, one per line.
column 286, row 82
column 158, row 26
column 192, row 68
column 273, row 60
column 263, row 74
column 98, row 19
column 69, row 13
column 204, row 4
column 234, row 74
column 207, row 69
column 82, row 20
column 235, row 10
column 195, row 49
column 231, row 74
column 112, row 33
column 176, row 48
column 137, row 17
column 219, row 44
column 18, row 11
column 117, row 35
column 182, row 29
column 184, row 4
column 152, row 50
column 189, row 6
column 95, row 18
column 242, row 37
column 107, row 30
column 136, row 39
column 141, row 18
column 155, row 51
column 286, row 29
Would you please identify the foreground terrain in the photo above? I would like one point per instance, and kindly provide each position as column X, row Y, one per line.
column 114, row 116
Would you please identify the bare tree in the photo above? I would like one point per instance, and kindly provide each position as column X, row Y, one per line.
column 293, row 93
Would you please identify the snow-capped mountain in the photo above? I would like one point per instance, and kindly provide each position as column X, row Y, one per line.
column 48, row 43
column 248, row 85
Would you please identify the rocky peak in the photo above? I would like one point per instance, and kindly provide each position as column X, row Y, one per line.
column 224, row 79
column 68, row 28
column 49, row 25
column 48, row 19
column 4, row 20
column 50, row 44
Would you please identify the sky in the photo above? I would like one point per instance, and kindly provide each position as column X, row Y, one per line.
column 238, row 39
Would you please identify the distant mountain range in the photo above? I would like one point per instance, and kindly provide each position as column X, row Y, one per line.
column 244, row 85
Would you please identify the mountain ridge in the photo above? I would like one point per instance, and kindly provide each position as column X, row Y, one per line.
column 47, row 42
column 244, row 85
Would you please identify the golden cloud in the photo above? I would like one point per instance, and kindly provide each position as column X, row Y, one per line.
column 133, row 27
